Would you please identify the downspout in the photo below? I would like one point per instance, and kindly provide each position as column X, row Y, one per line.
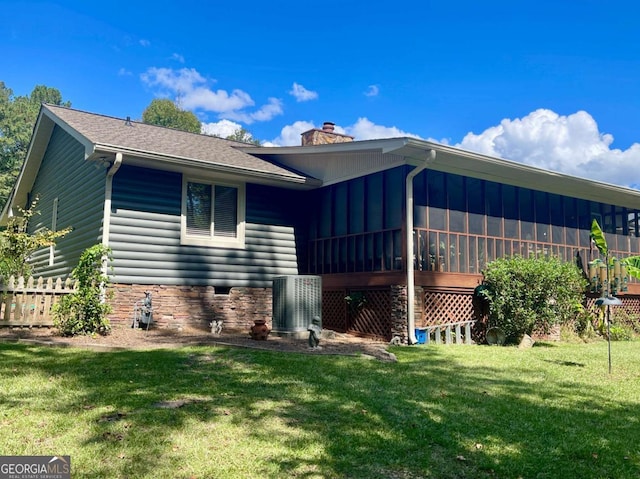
column 410, row 261
column 106, row 218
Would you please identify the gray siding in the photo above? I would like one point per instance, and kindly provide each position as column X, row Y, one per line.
column 80, row 188
column 145, row 236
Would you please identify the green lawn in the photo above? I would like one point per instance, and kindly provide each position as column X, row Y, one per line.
column 439, row 412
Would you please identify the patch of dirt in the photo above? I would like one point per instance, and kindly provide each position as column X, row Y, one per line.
column 122, row 337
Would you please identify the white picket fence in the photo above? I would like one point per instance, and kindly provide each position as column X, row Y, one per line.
column 457, row 332
column 28, row 303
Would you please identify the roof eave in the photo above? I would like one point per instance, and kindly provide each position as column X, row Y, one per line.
column 180, row 163
column 519, row 174
column 455, row 160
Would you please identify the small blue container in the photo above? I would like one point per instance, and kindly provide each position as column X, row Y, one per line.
column 421, row 335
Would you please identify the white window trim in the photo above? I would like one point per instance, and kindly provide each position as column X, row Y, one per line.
column 213, row 241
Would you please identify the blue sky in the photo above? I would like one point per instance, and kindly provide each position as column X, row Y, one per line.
column 555, row 84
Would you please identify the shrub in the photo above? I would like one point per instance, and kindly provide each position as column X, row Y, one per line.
column 85, row 311
column 626, row 319
column 527, row 294
column 618, row 332
column 583, row 322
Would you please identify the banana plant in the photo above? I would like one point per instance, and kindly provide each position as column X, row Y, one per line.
column 599, row 239
column 632, row 264
column 597, row 235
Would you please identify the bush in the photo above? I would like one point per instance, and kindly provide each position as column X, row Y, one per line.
column 618, row 332
column 626, row 319
column 527, row 294
column 583, row 322
column 85, row 311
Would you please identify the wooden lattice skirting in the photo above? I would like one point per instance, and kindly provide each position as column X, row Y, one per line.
column 371, row 317
column 446, row 307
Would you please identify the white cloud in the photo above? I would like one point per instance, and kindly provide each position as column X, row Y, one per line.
column 301, row 94
column 222, row 128
column 193, row 91
column 123, row 72
column 145, row 43
column 362, row 129
column 372, row 90
column 219, row 101
column 179, row 81
column 265, row 113
column 569, row 144
column 365, row 129
column 290, row 134
column 177, row 57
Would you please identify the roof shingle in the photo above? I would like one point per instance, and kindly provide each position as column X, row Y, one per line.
column 165, row 142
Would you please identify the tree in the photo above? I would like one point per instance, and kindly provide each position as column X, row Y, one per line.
column 243, row 136
column 164, row 112
column 18, row 116
column 17, row 244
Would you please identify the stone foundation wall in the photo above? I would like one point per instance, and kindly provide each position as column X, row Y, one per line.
column 177, row 307
column 399, row 313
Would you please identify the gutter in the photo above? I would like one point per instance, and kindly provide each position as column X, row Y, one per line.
column 183, row 162
column 106, row 218
column 410, row 261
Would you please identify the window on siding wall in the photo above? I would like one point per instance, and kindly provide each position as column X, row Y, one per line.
column 212, row 214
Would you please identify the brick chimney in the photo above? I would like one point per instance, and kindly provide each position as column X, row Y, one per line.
column 325, row 136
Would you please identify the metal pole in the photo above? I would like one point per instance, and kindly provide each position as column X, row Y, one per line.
column 606, row 258
column 609, row 334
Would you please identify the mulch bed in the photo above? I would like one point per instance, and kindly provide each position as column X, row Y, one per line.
column 122, row 337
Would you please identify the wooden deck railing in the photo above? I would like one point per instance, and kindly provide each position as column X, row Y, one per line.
column 28, row 303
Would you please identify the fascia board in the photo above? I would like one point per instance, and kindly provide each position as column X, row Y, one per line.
column 352, row 146
column 450, row 159
column 179, row 164
column 454, row 160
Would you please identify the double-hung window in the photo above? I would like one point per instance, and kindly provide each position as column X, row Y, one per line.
column 212, row 213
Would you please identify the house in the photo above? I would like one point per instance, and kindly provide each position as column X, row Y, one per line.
column 206, row 224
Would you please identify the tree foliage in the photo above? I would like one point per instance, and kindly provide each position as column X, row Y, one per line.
column 85, row 310
column 243, row 136
column 164, row 112
column 18, row 116
column 17, row 244
column 527, row 294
